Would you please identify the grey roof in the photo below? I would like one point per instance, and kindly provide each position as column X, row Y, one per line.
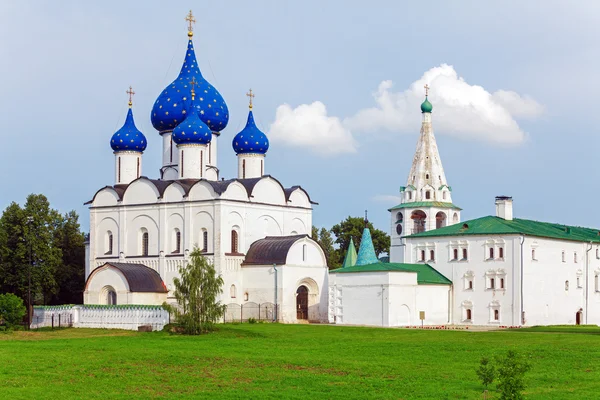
column 271, row 250
column 139, row 277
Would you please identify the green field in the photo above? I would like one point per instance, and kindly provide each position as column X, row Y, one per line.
column 291, row 361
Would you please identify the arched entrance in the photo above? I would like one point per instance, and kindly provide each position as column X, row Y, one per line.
column 109, row 295
column 579, row 317
column 302, row 302
column 440, row 220
column 419, row 218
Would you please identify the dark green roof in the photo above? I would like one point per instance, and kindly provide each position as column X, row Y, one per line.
column 426, row 274
column 419, row 204
column 492, row 225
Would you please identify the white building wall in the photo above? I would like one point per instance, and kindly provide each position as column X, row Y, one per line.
column 128, row 166
column 250, row 165
column 192, row 161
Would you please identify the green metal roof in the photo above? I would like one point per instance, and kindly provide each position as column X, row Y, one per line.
column 350, row 259
column 492, row 225
column 426, row 274
column 419, row 204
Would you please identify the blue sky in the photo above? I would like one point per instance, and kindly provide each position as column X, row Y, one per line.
column 516, row 118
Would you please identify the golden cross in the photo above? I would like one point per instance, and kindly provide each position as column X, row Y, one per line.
column 426, row 90
column 250, row 95
column 193, row 83
column 191, row 20
column 130, row 92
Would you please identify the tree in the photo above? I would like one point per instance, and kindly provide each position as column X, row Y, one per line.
column 352, row 227
column 511, row 376
column 196, row 292
column 70, row 273
column 12, row 310
column 486, row 372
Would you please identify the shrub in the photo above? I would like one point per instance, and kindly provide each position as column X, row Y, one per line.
column 486, row 372
column 12, row 310
column 511, row 376
column 251, row 320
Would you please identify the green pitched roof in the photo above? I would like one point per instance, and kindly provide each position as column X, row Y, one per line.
column 350, row 259
column 419, row 204
column 366, row 252
column 426, row 274
column 492, row 225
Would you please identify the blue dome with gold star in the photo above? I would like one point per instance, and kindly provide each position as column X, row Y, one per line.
column 250, row 139
column 192, row 129
column 129, row 137
column 171, row 106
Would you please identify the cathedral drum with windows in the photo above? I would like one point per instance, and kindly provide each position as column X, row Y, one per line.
column 253, row 229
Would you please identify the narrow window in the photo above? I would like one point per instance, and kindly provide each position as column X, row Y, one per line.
column 243, row 169
column 464, row 255
column 566, row 285
column 110, row 244
column 455, row 254
column 470, row 284
column 431, row 255
column 209, row 155
column 138, row 167
column 491, row 253
column 428, row 195
column 597, row 253
column 444, row 195
column 563, row 256
column 501, row 252
column 205, row 241
column 492, row 283
column 533, row 254
column 303, row 252
column 422, row 255
column 578, row 282
column 171, row 151
column 177, row 242
column 262, row 167
column 575, row 257
column 596, row 283
column 468, row 314
column 119, row 170
column 232, row 292
column 145, row 244
column 201, row 163
column 427, row 176
column 234, row 241
column 410, row 195
column 496, row 315
column 181, row 163
column 501, row 283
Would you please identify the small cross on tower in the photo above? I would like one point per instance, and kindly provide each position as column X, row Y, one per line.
column 426, row 90
column 190, row 20
column 130, row 92
column 193, row 83
column 250, row 95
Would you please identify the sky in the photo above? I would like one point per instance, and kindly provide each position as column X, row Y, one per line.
column 338, row 86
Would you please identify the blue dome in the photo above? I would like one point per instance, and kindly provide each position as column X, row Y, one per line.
column 170, row 107
column 250, row 139
column 128, row 138
column 192, row 129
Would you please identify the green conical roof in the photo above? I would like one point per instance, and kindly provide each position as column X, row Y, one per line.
column 366, row 253
column 350, row 259
column 426, row 106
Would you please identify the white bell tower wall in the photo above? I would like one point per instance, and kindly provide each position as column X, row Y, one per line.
column 128, row 166
column 251, row 165
column 192, row 160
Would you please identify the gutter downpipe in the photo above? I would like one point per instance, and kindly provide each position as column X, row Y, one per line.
column 382, row 306
column 587, row 288
column 522, row 315
column 276, row 305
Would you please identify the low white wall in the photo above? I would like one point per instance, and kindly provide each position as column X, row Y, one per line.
column 128, row 317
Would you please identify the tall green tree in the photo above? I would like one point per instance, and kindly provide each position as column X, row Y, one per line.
column 70, row 272
column 196, row 292
column 352, row 227
column 14, row 250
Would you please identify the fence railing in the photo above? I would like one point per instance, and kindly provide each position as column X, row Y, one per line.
column 243, row 312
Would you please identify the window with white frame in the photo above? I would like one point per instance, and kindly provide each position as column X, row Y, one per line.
column 426, row 252
column 500, row 279
column 431, row 255
column 494, row 249
column 232, row 291
column 468, row 280
column 575, row 257
column 422, row 258
column 467, row 311
column 495, row 312
column 458, row 250
column 564, row 257
column 579, row 283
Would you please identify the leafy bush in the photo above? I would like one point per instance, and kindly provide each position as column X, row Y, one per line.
column 12, row 310
column 251, row 320
column 486, row 372
column 511, row 376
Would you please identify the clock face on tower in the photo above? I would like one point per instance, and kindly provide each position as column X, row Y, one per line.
column 399, row 229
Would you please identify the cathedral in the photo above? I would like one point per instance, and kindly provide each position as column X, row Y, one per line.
column 252, row 228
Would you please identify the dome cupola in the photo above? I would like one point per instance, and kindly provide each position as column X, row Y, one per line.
column 192, row 130
column 250, row 139
column 171, row 106
column 129, row 137
column 426, row 106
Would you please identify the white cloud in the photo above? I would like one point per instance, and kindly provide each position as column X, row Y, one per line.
column 309, row 126
column 460, row 109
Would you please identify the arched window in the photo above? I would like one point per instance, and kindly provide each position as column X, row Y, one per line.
column 232, row 291
column 427, row 176
column 501, row 252
column 303, row 252
column 111, row 298
column 419, row 221
column 144, row 242
column 444, row 195
column 440, row 220
column 243, row 169
column 205, row 240
column 455, row 218
column 455, row 254
column 422, row 255
column 177, row 249
column 470, row 284
column 469, row 316
column 428, row 195
column 464, row 254
column 491, row 253
column 234, row 241
column 110, row 243
column 399, row 218
column 431, row 255
column 496, row 315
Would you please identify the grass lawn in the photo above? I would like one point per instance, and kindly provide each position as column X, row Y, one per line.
column 291, row 361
